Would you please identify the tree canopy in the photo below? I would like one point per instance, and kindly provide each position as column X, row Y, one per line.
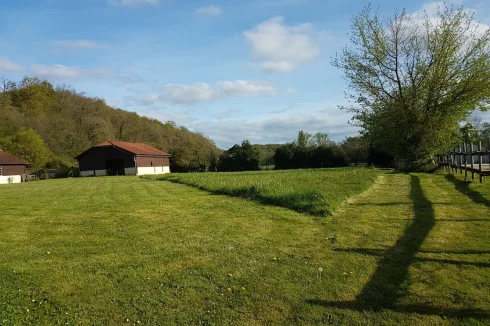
column 27, row 144
column 413, row 78
column 242, row 157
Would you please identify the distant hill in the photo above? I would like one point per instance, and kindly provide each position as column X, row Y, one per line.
column 68, row 122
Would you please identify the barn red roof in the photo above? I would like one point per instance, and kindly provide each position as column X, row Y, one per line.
column 7, row 159
column 133, row 148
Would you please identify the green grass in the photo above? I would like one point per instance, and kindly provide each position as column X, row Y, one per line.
column 316, row 192
column 412, row 250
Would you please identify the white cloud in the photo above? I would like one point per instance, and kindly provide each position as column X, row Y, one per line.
column 209, row 11
column 203, row 92
column 243, row 88
column 8, row 66
column 280, row 48
column 292, row 90
column 76, row 44
column 65, row 72
column 189, row 94
column 144, row 100
column 133, row 3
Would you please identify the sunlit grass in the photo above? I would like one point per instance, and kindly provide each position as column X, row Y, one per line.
column 317, row 192
column 412, row 250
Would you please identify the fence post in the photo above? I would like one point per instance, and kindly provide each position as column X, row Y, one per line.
column 472, row 162
column 457, row 158
column 452, row 160
column 480, row 157
column 460, row 166
column 461, row 159
column 465, row 164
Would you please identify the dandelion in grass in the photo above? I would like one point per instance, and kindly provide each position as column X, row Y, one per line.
column 243, row 288
column 228, row 289
column 230, row 275
column 275, row 258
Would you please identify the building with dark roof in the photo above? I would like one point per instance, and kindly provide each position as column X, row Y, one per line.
column 122, row 158
column 12, row 169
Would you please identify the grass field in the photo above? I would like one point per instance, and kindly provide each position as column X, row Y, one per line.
column 315, row 192
column 414, row 249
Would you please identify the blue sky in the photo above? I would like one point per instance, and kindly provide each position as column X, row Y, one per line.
column 233, row 70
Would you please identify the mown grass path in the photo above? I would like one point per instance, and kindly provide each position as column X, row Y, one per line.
column 411, row 250
column 419, row 249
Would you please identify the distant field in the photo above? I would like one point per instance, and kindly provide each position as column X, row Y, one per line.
column 414, row 249
column 316, row 192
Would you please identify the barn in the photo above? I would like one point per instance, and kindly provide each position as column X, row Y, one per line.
column 122, row 158
column 12, row 169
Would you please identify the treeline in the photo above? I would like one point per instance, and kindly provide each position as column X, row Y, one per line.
column 318, row 151
column 307, row 151
column 48, row 126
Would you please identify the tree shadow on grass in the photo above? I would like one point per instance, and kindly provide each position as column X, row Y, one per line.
column 464, row 188
column 387, row 284
column 381, row 253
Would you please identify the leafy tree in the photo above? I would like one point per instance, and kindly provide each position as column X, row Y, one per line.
column 240, row 158
column 413, row 79
column 321, row 139
column 213, row 162
column 28, row 145
column 284, row 157
column 485, row 132
column 304, row 139
column 356, row 149
column 266, row 153
column 6, row 85
column 328, row 156
column 33, row 96
column 469, row 134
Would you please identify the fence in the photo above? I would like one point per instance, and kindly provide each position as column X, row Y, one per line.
column 470, row 158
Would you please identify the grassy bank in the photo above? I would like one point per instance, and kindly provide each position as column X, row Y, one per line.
column 316, row 192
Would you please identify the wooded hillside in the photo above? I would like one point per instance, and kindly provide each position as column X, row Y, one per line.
column 48, row 126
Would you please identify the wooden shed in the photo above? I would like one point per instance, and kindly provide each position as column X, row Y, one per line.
column 122, row 158
column 12, row 169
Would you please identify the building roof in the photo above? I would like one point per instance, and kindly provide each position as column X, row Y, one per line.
column 7, row 159
column 132, row 148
